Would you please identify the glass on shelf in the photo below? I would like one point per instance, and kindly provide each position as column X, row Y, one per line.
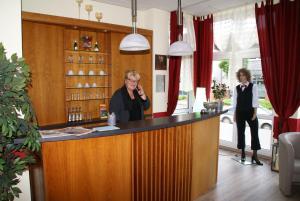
column 79, row 85
column 80, row 72
column 101, row 60
column 91, row 60
column 70, row 59
column 80, row 59
column 70, row 72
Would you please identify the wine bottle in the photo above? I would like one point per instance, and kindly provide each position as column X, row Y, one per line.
column 96, row 47
column 75, row 46
column 69, row 115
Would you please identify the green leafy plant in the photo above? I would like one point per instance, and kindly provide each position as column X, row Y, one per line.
column 265, row 104
column 227, row 101
column 17, row 121
column 182, row 97
column 219, row 90
column 224, row 66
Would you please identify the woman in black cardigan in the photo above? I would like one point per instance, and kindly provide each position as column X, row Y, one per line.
column 245, row 103
column 129, row 102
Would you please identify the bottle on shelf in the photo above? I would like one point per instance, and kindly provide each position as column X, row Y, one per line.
column 77, row 114
column 103, row 111
column 69, row 115
column 73, row 117
column 96, row 47
column 75, row 46
column 80, row 114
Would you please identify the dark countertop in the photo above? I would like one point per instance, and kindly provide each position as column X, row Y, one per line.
column 140, row 126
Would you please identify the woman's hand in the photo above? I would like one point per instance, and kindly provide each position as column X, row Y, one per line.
column 254, row 114
column 141, row 92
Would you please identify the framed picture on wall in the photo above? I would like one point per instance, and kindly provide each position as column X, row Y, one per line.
column 160, row 62
column 160, row 83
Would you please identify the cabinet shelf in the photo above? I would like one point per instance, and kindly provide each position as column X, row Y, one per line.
column 92, row 99
column 87, row 76
column 87, row 51
column 88, row 87
column 85, row 63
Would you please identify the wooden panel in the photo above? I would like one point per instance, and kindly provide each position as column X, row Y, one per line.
column 75, row 23
column 70, row 35
column 90, row 169
column 205, row 143
column 142, row 62
column 162, row 164
column 43, row 51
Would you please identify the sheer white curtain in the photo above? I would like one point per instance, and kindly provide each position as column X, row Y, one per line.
column 223, row 24
column 235, row 28
column 186, row 71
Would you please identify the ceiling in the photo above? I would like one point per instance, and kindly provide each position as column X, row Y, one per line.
column 194, row 7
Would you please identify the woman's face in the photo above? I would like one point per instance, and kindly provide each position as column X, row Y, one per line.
column 243, row 78
column 131, row 83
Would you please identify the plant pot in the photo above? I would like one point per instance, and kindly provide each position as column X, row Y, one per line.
column 219, row 107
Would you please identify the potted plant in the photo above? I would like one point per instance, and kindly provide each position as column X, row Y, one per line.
column 17, row 121
column 219, row 90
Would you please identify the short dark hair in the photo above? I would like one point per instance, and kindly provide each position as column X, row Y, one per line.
column 244, row 71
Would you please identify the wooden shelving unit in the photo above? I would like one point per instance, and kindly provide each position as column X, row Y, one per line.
column 87, row 74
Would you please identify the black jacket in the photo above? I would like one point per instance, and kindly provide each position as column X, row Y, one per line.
column 120, row 104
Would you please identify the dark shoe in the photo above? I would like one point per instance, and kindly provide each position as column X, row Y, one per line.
column 255, row 159
column 243, row 157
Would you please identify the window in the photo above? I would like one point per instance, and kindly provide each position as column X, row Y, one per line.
column 183, row 100
column 236, row 46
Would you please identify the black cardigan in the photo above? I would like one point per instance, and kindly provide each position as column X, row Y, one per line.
column 120, row 104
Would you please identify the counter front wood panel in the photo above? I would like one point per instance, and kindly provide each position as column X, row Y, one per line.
column 205, row 145
column 162, row 164
column 90, row 170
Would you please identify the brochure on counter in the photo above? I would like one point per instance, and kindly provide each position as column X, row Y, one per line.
column 65, row 132
column 77, row 131
column 105, row 128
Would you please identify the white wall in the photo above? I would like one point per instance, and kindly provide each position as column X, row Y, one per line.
column 158, row 21
column 69, row 8
column 11, row 37
column 10, row 23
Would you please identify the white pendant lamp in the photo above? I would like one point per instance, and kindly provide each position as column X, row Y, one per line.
column 134, row 41
column 180, row 48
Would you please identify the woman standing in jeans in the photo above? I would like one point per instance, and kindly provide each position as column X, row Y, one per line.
column 245, row 103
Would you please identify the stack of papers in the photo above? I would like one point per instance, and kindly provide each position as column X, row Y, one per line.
column 77, row 131
column 105, row 128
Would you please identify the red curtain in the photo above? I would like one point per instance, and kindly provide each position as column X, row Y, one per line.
column 279, row 40
column 204, row 53
column 174, row 66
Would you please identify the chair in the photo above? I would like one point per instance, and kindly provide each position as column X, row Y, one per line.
column 289, row 161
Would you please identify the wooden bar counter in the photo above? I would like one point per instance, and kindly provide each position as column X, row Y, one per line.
column 164, row 159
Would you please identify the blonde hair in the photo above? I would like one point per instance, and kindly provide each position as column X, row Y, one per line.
column 132, row 73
